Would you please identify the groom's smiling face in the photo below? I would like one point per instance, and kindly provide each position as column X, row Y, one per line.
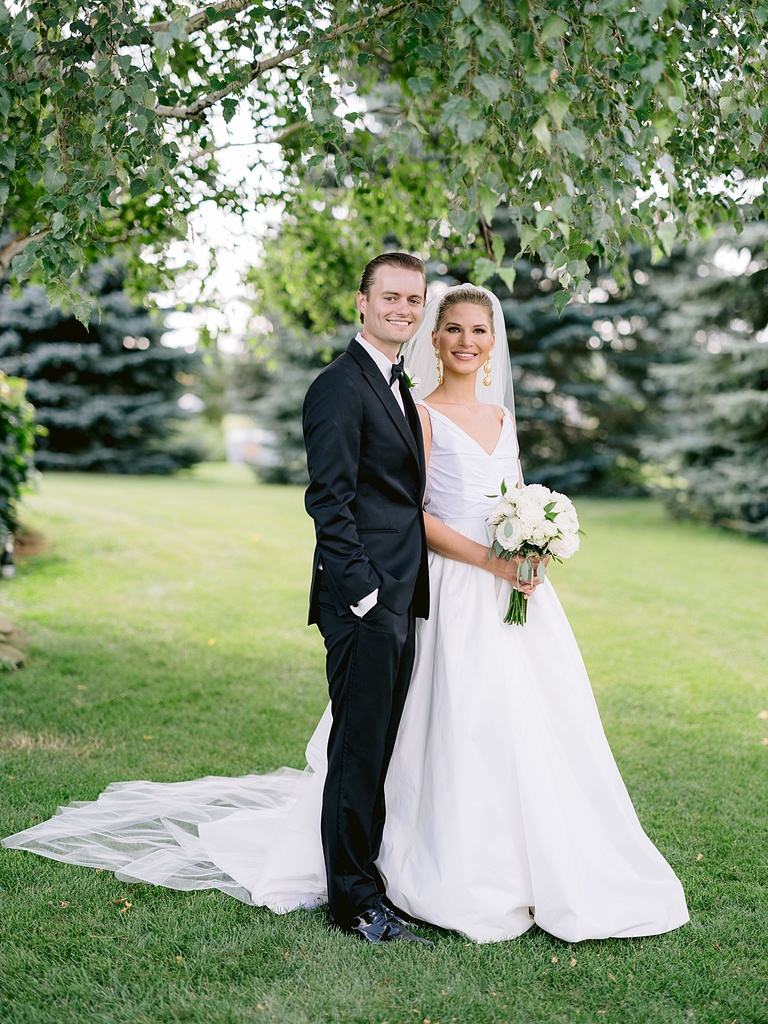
column 392, row 308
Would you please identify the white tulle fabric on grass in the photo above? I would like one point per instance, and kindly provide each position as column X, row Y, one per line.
column 505, row 807
column 256, row 838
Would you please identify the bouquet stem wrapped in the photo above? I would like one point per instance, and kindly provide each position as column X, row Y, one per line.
column 532, row 524
column 527, row 568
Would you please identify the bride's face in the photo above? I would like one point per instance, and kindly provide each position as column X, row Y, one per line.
column 465, row 338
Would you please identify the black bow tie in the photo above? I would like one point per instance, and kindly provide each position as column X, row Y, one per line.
column 397, row 371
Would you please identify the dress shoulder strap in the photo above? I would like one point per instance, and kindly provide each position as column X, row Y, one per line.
column 511, row 414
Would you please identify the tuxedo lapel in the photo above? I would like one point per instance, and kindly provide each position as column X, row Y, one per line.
column 383, row 392
column 415, row 424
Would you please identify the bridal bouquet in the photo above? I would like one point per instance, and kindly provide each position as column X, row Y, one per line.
column 530, row 523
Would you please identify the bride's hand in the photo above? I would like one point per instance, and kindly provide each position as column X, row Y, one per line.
column 506, row 569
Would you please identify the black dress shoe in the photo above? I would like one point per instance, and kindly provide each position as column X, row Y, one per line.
column 383, row 903
column 401, row 916
column 378, row 924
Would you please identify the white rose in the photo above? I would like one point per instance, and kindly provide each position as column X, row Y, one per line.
column 565, row 546
column 550, row 529
column 509, row 534
column 501, row 510
column 539, row 493
column 566, row 513
column 531, row 516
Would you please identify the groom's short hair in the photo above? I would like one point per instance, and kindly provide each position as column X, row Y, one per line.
column 403, row 260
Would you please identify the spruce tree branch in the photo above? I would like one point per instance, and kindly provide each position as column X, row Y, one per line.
column 196, row 111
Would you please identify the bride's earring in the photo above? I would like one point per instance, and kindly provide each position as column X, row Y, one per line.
column 487, row 372
column 440, row 369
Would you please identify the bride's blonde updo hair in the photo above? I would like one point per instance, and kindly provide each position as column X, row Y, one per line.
column 457, row 296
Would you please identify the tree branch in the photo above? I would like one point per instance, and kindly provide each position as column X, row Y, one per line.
column 17, row 245
column 196, row 111
column 190, row 158
column 203, row 19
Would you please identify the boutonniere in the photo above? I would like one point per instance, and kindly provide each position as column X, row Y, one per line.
column 411, row 381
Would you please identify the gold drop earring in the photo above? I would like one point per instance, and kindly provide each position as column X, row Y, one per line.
column 439, row 369
column 487, row 372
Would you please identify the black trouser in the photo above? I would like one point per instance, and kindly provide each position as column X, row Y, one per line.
column 368, row 663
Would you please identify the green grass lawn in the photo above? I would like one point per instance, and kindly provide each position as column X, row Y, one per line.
column 166, row 620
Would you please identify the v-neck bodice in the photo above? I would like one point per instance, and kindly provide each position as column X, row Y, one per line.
column 462, row 474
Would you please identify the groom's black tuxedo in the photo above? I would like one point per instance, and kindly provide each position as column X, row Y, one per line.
column 367, row 478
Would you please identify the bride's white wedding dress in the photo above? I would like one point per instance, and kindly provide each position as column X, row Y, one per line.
column 504, row 804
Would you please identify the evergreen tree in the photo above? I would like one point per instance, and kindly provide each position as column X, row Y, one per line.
column 298, row 358
column 106, row 394
column 582, row 385
column 713, row 452
column 583, row 390
column 584, row 394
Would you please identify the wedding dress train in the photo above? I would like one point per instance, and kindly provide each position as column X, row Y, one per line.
column 505, row 807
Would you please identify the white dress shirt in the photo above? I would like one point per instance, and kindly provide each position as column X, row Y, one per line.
column 385, row 364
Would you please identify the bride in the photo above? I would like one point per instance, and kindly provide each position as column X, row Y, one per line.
column 505, row 807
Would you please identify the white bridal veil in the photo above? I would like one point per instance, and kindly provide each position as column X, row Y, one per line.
column 421, row 364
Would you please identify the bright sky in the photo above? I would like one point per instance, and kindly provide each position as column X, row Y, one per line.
column 219, row 293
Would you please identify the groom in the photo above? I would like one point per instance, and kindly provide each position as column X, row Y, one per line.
column 367, row 476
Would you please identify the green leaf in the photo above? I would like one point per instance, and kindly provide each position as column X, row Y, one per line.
column 413, row 118
column 666, row 232
column 138, row 187
column 463, row 220
column 560, row 300
column 562, row 207
column 469, row 130
column 558, row 105
column 542, row 135
column 54, row 178
column 483, row 269
column 652, row 71
column 508, row 275
column 488, row 200
column 469, row 6
column 429, row 19
column 23, row 263
column 653, row 9
column 538, row 76
column 575, row 141
column 163, row 41
column 420, row 86
column 29, row 40
column 554, row 27
column 490, row 86
column 529, row 238
column 728, row 105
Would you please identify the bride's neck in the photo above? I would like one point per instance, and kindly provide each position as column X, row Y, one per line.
column 459, row 390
